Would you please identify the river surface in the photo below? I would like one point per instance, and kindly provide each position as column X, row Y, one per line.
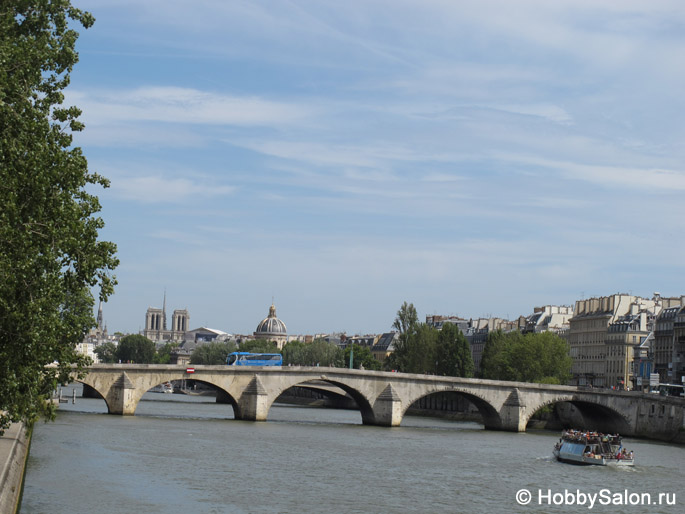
column 182, row 454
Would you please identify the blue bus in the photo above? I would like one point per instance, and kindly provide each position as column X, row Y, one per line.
column 254, row 359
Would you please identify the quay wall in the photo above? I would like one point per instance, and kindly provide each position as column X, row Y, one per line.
column 14, row 451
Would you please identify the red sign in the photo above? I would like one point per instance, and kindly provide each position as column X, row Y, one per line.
column 190, row 370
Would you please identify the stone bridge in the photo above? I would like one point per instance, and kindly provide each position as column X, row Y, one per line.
column 384, row 397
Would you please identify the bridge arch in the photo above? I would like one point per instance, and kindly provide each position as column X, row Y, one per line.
column 490, row 415
column 141, row 384
column 594, row 415
column 363, row 403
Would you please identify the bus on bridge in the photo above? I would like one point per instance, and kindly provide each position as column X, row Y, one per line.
column 254, row 359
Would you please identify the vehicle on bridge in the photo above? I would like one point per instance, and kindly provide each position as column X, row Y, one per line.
column 254, row 359
column 592, row 449
column 671, row 389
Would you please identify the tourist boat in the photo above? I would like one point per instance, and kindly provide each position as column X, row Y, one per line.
column 166, row 387
column 592, row 449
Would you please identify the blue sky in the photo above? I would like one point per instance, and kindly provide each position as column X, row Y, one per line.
column 474, row 158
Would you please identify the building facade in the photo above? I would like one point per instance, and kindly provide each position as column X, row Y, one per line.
column 156, row 324
column 588, row 331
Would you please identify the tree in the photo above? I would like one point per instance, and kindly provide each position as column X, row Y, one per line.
column 163, row 353
column 362, row 357
column 107, row 353
column 406, row 319
column 137, row 349
column 318, row 352
column 322, row 353
column 453, row 352
column 532, row 357
column 415, row 350
column 259, row 346
column 50, row 255
column 294, row 353
column 214, row 352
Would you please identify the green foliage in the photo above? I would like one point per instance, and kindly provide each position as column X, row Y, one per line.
column 415, row 350
column 136, row 349
column 533, row 357
column 406, row 319
column 453, row 353
column 362, row 357
column 294, row 353
column 107, row 353
column 259, row 346
column 212, row 353
column 163, row 353
column 318, row 352
column 50, row 256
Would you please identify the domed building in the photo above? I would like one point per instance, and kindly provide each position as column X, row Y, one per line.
column 272, row 329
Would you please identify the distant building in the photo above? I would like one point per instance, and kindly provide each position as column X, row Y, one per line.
column 679, row 345
column 272, row 329
column 550, row 318
column 669, row 342
column 588, row 331
column 384, row 346
column 156, row 324
column 643, row 363
column 623, row 336
column 206, row 335
column 437, row 321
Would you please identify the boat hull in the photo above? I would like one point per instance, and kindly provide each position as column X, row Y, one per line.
column 582, row 460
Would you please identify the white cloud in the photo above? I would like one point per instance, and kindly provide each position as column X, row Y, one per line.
column 183, row 105
column 161, row 189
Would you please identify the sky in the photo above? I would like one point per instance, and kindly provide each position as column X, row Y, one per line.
column 475, row 159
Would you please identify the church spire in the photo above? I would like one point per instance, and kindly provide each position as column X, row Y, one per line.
column 99, row 318
column 164, row 311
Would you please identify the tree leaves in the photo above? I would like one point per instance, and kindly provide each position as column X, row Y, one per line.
column 50, row 256
column 532, row 357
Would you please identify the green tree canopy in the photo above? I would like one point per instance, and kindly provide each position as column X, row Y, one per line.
column 214, row 352
column 50, row 255
column 294, row 353
column 259, row 346
column 453, row 352
column 362, row 357
column 107, row 353
column 318, row 352
column 415, row 350
column 163, row 353
column 533, row 357
column 137, row 349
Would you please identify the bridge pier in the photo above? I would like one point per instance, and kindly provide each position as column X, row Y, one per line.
column 120, row 399
column 387, row 411
column 253, row 403
column 511, row 414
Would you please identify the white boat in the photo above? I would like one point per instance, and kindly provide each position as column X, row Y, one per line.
column 592, row 449
column 166, row 387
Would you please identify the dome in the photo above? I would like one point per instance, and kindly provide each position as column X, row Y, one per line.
column 271, row 326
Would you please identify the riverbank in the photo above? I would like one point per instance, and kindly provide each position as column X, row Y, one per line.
column 14, row 451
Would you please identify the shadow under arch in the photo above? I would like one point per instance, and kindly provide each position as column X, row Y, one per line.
column 585, row 415
column 489, row 415
column 360, row 401
column 318, row 393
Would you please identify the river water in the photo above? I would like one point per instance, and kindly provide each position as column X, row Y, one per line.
column 182, row 454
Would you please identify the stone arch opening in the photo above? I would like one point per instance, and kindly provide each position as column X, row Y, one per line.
column 457, row 404
column 345, row 397
column 319, row 394
column 581, row 415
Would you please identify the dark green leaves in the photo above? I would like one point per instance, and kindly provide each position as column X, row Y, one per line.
column 50, row 255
